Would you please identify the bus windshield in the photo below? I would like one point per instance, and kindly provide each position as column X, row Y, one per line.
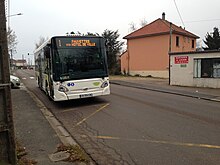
column 79, row 63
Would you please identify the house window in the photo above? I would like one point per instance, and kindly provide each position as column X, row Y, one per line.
column 207, row 68
column 177, row 41
column 193, row 43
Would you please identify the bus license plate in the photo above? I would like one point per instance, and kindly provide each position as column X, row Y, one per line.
column 85, row 95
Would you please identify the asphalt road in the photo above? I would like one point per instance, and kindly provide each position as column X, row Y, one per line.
column 135, row 126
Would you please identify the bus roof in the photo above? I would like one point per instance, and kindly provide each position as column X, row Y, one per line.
column 42, row 45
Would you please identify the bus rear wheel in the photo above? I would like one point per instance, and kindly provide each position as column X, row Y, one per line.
column 38, row 82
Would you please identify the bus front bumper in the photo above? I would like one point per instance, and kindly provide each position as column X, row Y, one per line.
column 61, row 96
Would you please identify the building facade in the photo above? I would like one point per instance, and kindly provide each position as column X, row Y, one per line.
column 148, row 48
column 21, row 64
column 199, row 69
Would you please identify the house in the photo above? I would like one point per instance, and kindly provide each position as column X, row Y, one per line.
column 21, row 63
column 148, row 48
column 12, row 62
column 199, row 69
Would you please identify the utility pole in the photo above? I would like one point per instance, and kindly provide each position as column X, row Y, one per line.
column 170, row 49
column 7, row 137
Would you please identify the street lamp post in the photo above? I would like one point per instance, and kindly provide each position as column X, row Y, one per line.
column 8, row 19
column 12, row 16
column 15, row 15
column 9, row 14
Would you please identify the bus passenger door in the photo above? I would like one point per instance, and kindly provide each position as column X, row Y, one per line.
column 38, row 70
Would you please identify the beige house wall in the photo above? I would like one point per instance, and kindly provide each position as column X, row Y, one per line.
column 159, row 73
column 149, row 55
column 124, row 63
column 185, row 44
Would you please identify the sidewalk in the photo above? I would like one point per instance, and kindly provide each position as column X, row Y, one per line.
column 33, row 131
column 162, row 85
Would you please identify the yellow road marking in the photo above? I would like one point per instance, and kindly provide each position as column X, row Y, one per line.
column 86, row 118
column 67, row 110
column 161, row 142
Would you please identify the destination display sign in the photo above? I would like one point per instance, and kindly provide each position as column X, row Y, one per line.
column 75, row 42
column 80, row 43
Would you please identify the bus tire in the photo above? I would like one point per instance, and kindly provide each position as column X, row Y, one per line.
column 38, row 82
column 46, row 87
column 51, row 92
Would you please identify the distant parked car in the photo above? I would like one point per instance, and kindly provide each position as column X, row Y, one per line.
column 15, row 81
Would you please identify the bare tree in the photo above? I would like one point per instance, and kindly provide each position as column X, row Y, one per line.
column 132, row 27
column 41, row 41
column 199, row 45
column 12, row 40
column 143, row 22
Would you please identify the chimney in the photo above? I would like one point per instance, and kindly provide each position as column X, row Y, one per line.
column 163, row 16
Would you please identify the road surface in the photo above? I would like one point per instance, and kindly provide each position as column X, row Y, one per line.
column 138, row 127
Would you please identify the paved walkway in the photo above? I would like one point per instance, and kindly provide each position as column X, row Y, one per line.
column 33, row 131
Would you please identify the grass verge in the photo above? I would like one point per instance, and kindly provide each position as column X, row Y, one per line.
column 76, row 153
column 21, row 153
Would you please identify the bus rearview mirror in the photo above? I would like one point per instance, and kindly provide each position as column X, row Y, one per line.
column 47, row 52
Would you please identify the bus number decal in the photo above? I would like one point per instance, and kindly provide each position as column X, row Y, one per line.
column 70, row 84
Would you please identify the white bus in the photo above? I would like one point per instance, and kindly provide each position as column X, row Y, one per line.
column 72, row 67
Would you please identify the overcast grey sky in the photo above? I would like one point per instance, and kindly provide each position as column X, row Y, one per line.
column 55, row 17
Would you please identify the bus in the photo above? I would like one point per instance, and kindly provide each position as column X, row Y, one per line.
column 72, row 67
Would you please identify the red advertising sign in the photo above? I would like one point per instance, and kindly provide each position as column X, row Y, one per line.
column 181, row 60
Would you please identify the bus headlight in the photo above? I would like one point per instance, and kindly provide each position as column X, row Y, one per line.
column 63, row 88
column 104, row 84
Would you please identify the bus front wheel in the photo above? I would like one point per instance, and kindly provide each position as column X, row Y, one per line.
column 38, row 82
column 46, row 90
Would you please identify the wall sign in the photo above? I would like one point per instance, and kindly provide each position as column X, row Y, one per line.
column 183, row 65
column 181, row 60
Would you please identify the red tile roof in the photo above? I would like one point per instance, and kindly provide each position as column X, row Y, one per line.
column 158, row 27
